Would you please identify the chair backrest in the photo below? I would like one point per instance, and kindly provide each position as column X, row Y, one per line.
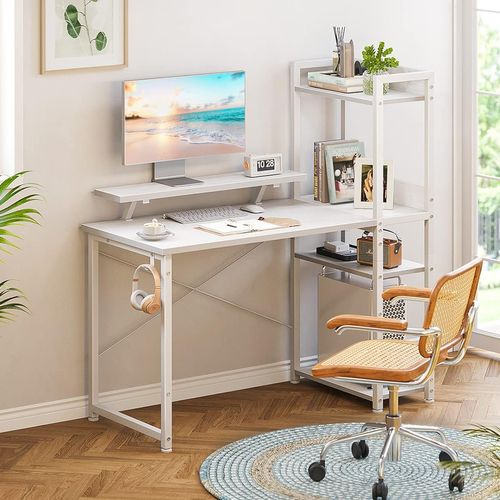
column 449, row 306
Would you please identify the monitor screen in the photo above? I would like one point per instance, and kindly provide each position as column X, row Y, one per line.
column 184, row 117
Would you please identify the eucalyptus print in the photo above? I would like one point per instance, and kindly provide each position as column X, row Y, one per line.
column 77, row 20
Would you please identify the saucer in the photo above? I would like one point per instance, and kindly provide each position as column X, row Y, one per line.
column 154, row 237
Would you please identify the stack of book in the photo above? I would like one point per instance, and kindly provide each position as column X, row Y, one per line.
column 334, row 170
column 331, row 81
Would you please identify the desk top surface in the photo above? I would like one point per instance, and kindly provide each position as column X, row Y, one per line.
column 314, row 219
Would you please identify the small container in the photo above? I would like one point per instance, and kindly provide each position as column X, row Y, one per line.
column 154, row 228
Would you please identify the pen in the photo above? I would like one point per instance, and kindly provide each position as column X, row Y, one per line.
column 230, row 225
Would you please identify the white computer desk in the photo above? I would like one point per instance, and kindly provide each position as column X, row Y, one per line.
column 314, row 218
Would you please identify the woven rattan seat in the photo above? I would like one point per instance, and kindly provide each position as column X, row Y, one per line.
column 394, row 360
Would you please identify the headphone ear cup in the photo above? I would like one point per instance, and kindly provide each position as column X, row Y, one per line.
column 137, row 298
column 149, row 306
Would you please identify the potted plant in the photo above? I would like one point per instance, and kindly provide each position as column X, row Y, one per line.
column 15, row 210
column 376, row 62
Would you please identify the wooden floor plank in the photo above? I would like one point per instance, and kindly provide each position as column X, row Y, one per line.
column 104, row 460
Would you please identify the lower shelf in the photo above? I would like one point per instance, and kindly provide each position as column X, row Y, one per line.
column 360, row 390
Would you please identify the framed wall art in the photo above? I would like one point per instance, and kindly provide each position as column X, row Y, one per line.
column 79, row 34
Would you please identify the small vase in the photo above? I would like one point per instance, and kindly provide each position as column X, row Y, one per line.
column 368, row 82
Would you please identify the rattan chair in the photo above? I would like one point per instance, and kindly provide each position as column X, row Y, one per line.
column 443, row 339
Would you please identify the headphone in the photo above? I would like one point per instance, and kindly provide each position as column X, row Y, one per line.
column 141, row 300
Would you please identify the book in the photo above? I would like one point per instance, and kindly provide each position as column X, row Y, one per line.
column 320, row 182
column 321, row 192
column 339, row 162
column 336, row 88
column 334, row 79
column 231, row 226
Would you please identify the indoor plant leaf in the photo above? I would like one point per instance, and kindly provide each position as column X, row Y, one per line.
column 73, row 25
column 101, row 40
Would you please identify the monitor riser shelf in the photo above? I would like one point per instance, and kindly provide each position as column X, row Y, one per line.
column 131, row 195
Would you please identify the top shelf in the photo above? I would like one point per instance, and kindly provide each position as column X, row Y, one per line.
column 406, row 84
column 153, row 191
column 392, row 97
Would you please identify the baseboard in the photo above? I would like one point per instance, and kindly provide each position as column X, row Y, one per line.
column 138, row 397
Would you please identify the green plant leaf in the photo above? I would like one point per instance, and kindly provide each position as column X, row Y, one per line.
column 101, row 40
column 376, row 61
column 73, row 25
column 12, row 301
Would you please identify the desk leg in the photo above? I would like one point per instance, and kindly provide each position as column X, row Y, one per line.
column 294, row 313
column 166, row 353
column 93, row 324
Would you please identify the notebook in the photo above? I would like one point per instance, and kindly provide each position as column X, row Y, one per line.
column 231, row 226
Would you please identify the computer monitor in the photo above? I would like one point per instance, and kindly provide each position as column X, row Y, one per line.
column 169, row 120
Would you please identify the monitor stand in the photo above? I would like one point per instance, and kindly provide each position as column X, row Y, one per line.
column 172, row 173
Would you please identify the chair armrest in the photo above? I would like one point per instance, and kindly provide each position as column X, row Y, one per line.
column 366, row 321
column 407, row 292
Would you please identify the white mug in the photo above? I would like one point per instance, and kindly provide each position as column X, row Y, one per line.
column 153, row 228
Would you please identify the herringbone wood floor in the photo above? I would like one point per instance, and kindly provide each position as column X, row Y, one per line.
column 80, row 459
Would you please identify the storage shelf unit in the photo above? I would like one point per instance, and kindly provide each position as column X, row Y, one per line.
column 407, row 86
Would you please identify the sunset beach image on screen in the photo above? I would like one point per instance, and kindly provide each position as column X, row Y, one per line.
column 184, row 117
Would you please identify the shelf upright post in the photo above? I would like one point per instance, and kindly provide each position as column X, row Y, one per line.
column 294, row 274
column 295, row 69
column 428, row 201
column 378, row 193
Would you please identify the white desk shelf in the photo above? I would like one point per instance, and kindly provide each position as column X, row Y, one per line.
column 400, row 214
column 211, row 183
column 407, row 267
column 406, row 86
column 146, row 192
column 392, row 97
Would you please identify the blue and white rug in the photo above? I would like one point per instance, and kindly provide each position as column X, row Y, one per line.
column 273, row 466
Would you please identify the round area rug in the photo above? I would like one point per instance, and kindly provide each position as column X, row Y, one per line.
column 273, row 466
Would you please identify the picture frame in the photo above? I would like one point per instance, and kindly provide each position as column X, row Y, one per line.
column 339, row 158
column 83, row 34
column 363, row 186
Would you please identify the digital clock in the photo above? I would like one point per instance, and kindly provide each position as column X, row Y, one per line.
column 258, row 165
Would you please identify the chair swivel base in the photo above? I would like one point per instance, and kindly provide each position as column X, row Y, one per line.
column 391, row 450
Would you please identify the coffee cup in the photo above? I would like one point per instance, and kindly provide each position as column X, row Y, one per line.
column 154, row 228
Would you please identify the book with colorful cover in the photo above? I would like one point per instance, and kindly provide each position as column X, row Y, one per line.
column 339, row 161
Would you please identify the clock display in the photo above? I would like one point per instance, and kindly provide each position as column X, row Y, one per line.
column 258, row 165
column 266, row 165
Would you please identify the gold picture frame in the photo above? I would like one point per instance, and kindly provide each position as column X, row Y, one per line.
column 63, row 34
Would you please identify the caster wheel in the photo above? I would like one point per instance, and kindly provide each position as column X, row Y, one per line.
column 359, row 449
column 317, row 471
column 380, row 490
column 444, row 457
column 456, row 480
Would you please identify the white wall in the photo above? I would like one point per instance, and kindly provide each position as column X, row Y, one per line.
column 72, row 143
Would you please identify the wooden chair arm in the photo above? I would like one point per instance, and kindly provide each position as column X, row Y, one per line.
column 366, row 321
column 406, row 291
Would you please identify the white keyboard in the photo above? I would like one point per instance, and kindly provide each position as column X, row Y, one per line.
column 204, row 214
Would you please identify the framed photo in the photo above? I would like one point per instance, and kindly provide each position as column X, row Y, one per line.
column 79, row 34
column 339, row 160
column 363, row 185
